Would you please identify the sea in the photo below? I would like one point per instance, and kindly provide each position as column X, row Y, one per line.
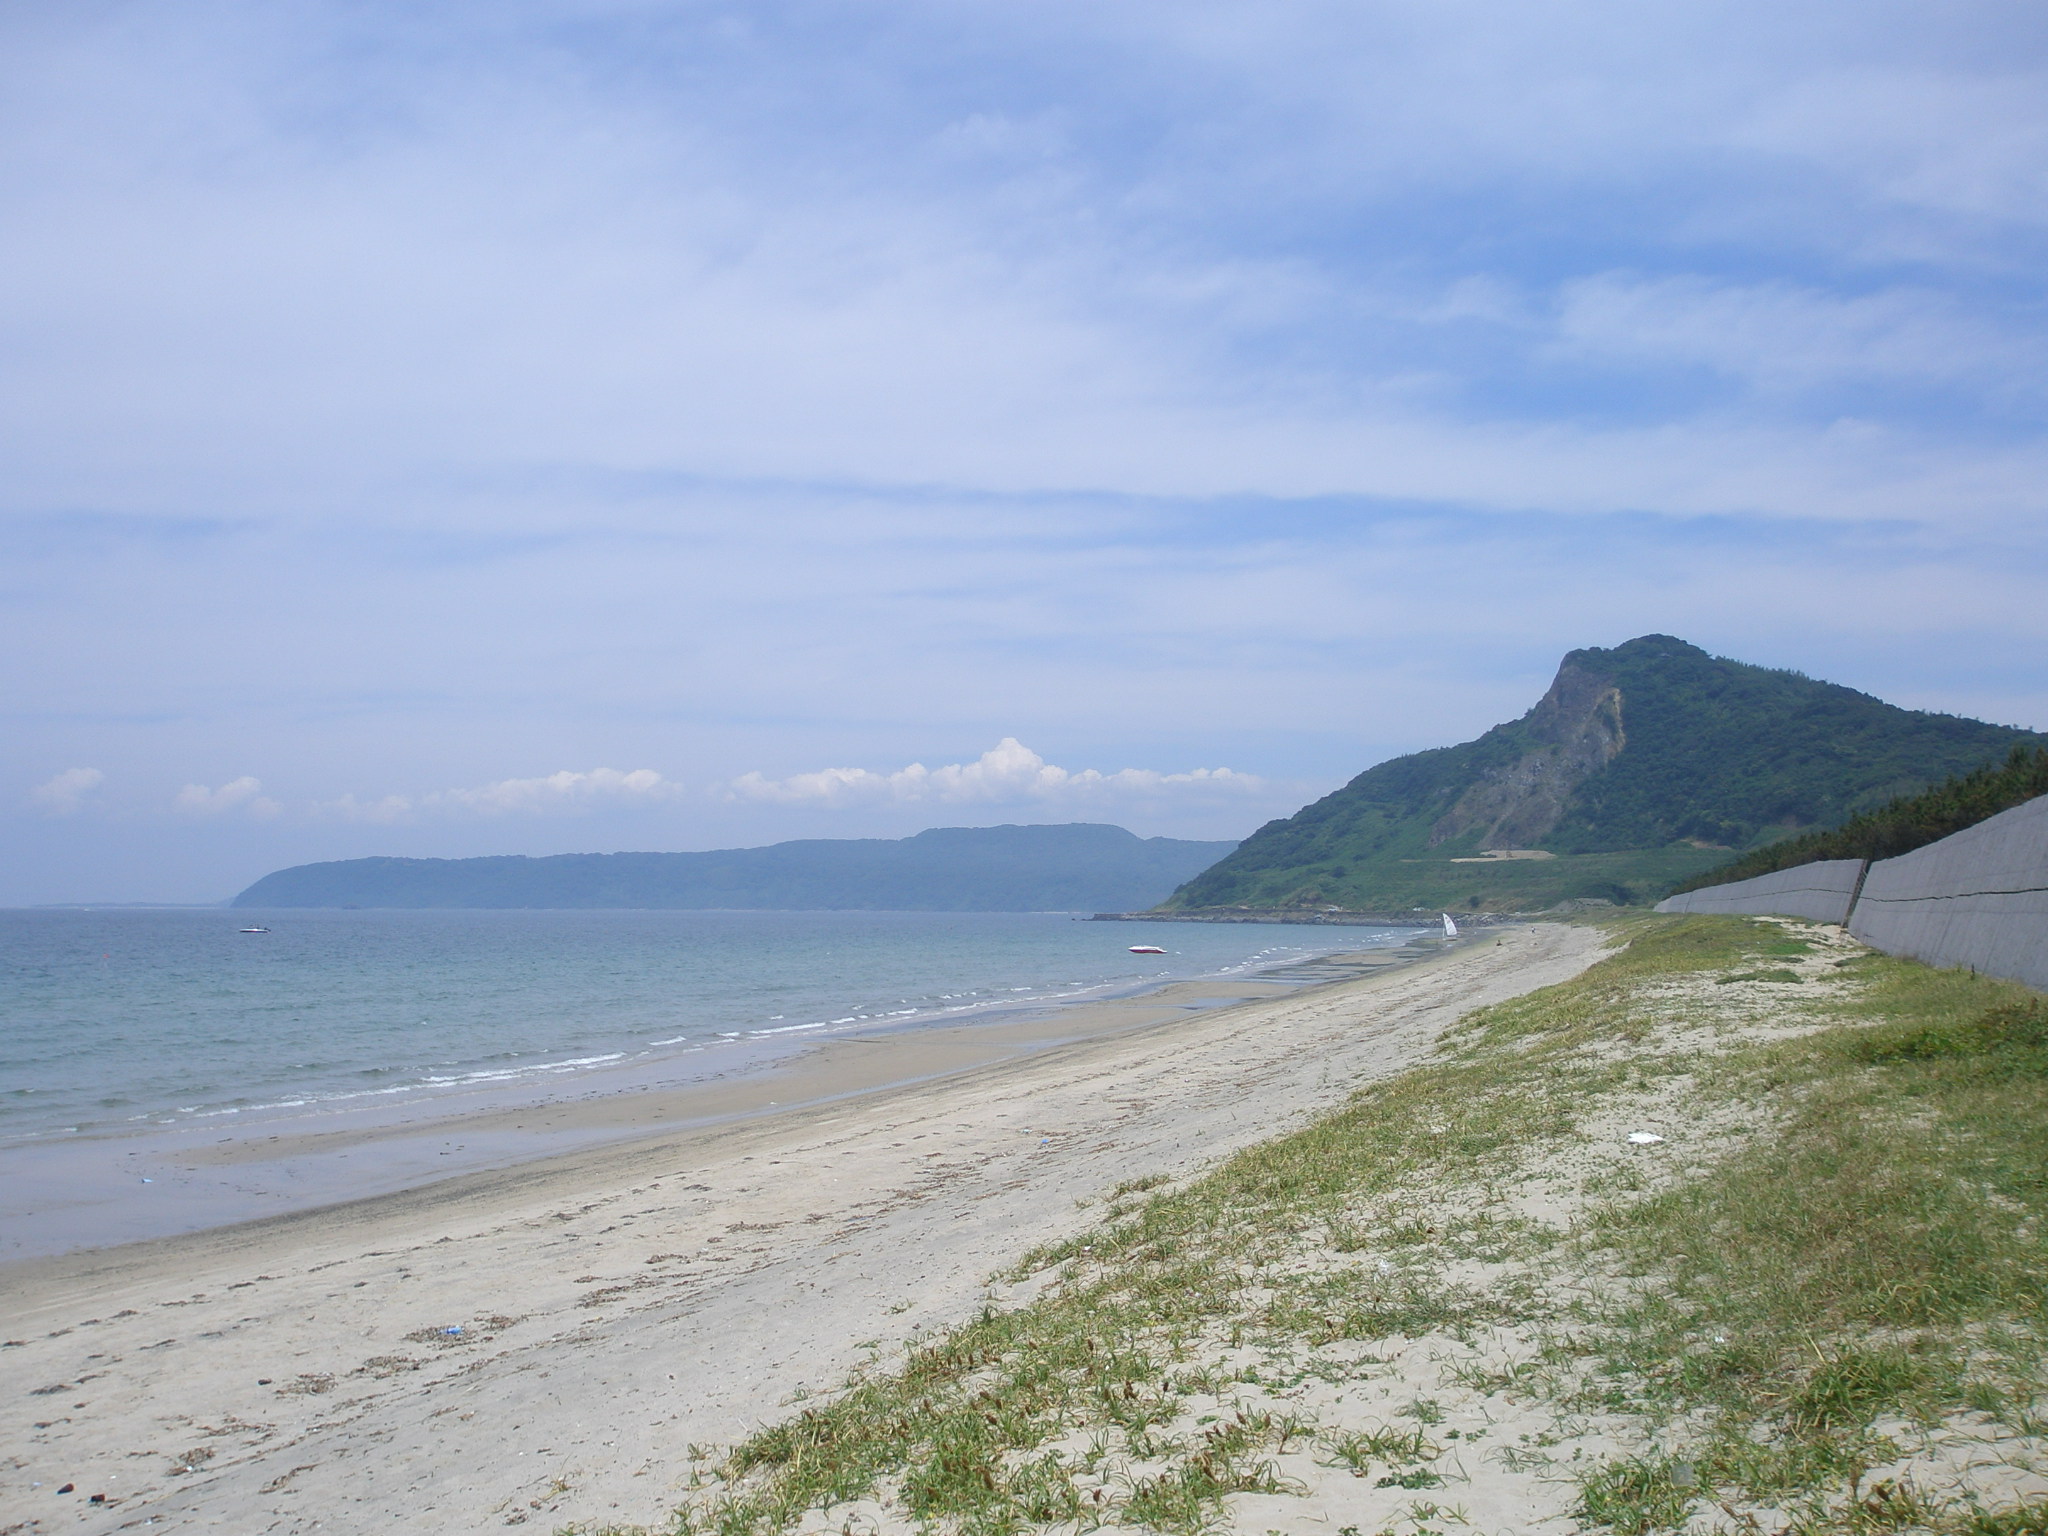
column 117, row 1021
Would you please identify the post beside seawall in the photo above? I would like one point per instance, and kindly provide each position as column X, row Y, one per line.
column 1976, row 898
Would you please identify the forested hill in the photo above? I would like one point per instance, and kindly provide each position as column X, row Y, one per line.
column 1641, row 766
column 1074, row 868
column 1912, row 821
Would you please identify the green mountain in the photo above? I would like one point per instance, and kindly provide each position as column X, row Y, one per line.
column 1643, row 765
column 1075, row 868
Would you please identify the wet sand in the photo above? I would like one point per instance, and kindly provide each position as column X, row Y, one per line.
column 617, row 1303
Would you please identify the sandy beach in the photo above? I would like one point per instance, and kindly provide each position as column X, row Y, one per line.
column 544, row 1343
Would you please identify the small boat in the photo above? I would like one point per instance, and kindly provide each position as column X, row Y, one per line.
column 1450, row 927
column 1147, row 949
column 254, row 930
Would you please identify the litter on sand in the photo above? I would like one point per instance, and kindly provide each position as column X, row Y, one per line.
column 1643, row 1138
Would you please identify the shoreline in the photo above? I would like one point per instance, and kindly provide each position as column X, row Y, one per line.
column 617, row 1305
column 1294, row 917
column 104, row 1191
column 595, row 1039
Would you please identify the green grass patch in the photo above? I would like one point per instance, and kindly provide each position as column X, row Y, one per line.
column 1879, row 1259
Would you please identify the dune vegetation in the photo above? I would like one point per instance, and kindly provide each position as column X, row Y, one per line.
column 1742, row 1229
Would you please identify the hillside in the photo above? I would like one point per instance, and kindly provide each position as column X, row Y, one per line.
column 1072, row 868
column 1642, row 766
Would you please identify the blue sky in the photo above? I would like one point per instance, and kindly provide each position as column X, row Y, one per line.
column 581, row 424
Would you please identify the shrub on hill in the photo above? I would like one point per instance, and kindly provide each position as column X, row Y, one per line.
column 1909, row 822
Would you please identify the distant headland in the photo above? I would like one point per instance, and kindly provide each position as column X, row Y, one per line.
column 1079, row 867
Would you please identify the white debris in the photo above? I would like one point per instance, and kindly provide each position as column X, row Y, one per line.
column 1643, row 1138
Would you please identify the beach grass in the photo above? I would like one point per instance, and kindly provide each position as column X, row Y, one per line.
column 1811, row 1301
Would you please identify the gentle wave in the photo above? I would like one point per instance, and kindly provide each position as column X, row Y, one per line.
column 174, row 1017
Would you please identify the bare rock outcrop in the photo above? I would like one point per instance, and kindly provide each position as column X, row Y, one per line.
column 1579, row 727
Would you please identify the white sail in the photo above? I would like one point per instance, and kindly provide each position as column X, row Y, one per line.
column 1450, row 927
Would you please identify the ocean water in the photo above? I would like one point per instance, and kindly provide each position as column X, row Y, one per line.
column 124, row 1020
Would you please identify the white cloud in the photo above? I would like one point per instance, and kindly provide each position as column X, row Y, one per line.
column 1007, row 772
column 66, row 792
column 217, row 305
column 552, row 794
column 1966, row 141
column 244, row 794
column 1779, row 335
column 392, row 808
column 562, row 791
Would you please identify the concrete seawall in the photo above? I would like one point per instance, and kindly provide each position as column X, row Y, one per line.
column 1823, row 892
column 1977, row 898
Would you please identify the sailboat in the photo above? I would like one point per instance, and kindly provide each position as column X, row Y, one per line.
column 1450, row 926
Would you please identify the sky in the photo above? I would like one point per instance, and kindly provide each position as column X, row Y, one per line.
column 571, row 425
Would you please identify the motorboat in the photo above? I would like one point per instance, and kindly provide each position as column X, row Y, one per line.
column 1147, row 949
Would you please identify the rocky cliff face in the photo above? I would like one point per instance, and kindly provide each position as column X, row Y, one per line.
column 1579, row 725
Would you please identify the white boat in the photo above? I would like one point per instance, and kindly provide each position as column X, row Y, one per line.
column 1147, row 949
column 255, row 930
column 1450, row 926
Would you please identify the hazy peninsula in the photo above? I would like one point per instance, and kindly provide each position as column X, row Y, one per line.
column 1076, row 867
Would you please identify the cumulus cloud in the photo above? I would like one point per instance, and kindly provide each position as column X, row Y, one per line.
column 553, row 794
column 391, row 808
column 243, row 794
column 66, row 792
column 1007, row 772
column 562, row 791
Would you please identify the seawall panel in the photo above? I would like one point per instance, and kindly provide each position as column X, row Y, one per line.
column 1977, row 898
column 1820, row 892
